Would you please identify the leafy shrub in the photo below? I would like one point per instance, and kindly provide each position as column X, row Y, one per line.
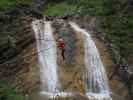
column 4, row 4
column 119, row 30
column 9, row 93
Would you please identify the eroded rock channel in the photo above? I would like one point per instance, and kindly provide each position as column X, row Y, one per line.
column 71, row 70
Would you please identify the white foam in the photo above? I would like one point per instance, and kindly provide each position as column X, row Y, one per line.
column 47, row 54
column 58, row 94
column 95, row 75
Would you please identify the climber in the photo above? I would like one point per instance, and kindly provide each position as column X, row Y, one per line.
column 61, row 46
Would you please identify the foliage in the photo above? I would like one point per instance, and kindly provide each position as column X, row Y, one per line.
column 4, row 4
column 119, row 31
column 91, row 7
column 9, row 93
column 59, row 9
column 64, row 7
column 118, row 25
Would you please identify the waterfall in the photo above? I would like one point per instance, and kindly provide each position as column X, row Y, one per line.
column 47, row 55
column 95, row 76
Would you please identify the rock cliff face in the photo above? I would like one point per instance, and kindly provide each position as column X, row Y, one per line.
column 117, row 66
column 18, row 60
column 70, row 73
column 70, row 70
column 17, row 43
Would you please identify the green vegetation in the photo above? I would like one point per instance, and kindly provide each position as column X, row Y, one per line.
column 9, row 93
column 119, row 31
column 10, row 32
column 91, row 7
column 59, row 9
column 117, row 26
column 4, row 4
column 117, row 23
column 69, row 7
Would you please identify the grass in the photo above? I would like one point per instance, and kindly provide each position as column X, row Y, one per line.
column 93, row 7
column 9, row 93
column 6, row 3
column 59, row 9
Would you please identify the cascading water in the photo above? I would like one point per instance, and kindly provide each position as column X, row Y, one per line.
column 47, row 54
column 95, row 77
column 46, row 47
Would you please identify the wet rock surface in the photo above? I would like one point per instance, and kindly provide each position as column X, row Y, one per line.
column 10, row 55
column 17, row 46
column 121, row 68
column 118, row 89
column 70, row 70
column 18, row 61
column 65, row 31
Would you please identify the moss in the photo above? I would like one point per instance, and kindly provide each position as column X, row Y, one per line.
column 9, row 93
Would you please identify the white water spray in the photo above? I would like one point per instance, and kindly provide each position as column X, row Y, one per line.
column 95, row 76
column 47, row 55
